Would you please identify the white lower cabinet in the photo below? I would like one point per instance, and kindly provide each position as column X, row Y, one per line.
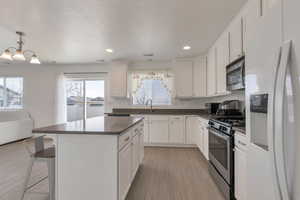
column 158, row 129
column 205, row 148
column 131, row 154
column 191, row 129
column 135, row 155
column 240, row 172
column 124, row 171
column 176, row 130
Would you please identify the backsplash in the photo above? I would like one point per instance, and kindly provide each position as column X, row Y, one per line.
column 180, row 103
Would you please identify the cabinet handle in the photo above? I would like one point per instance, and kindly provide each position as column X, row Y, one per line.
column 241, row 143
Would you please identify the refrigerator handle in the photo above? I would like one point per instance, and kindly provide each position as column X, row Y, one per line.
column 278, row 125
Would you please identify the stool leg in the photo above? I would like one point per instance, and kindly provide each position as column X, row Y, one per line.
column 28, row 174
column 51, row 178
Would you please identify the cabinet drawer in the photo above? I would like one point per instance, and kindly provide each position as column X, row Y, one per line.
column 125, row 139
column 159, row 118
column 240, row 141
column 177, row 118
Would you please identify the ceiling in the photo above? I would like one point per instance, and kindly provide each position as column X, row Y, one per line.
column 79, row 31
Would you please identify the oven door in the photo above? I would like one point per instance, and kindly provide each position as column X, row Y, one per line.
column 221, row 153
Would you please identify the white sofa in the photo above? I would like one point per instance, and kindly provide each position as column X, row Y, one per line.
column 14, row 125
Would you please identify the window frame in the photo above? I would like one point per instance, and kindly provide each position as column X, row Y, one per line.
column 5, row 97
column 154, row 105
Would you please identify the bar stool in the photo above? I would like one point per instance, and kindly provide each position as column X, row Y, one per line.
column 41, row 154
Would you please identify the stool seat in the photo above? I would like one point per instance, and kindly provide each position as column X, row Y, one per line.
column 46, row 153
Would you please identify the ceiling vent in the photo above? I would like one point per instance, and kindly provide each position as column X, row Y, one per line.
column 149, row 55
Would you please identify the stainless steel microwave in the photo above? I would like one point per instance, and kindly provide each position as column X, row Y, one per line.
column 235, row 75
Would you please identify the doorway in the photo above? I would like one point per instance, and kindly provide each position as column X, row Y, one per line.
column 85, row 98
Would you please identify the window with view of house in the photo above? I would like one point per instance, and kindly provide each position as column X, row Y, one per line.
column 154, row 86
column 11, row 92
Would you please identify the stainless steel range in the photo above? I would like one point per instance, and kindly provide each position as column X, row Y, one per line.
column 221, row 155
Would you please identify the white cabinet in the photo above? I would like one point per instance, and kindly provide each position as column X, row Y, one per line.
column 118, row 80
column 176, row 130
column 141, row 143
column 190, row 129
column 125, row 173
column 131, row 153
column 135, row 155
column 236, row 38
column 199, row 135
column 183, row 71
column 146, row 130
column 240, row 177
column 222, row 55
column 159, row 129
column 205, row 148
column 211, row 72
column 199, row 77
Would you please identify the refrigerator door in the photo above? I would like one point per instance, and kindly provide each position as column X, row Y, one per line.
column 284, row 124
column 263, row 40
column 291, row 31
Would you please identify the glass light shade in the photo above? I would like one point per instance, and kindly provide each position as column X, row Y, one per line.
column 6, row 55
column 19, row 56
column 35, row 60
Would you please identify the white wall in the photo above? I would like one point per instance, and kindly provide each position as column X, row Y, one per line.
column 44, row 89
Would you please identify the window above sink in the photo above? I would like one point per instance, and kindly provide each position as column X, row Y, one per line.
column 155, row 86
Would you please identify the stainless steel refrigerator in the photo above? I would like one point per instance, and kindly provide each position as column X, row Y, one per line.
column 273, row 99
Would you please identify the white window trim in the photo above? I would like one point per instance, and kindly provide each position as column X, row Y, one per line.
column 4, row 94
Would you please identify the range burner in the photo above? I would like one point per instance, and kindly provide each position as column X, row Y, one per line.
column 237, row 121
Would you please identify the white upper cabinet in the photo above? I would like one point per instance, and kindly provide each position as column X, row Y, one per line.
column 222, row 55
column 118, row 80
column 236, row 38
column 211, row 72
column 183, row 70
column 199, row 77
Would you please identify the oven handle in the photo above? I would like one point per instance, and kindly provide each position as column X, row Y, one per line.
column 223, row 136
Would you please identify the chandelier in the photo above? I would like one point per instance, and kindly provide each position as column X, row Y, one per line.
column 18, row 54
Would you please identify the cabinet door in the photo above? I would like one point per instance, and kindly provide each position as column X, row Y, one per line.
column 146, row 130
column 199, row 77
column 124, row 171
column 159, row 131
column 205, row 139
column 184, row 78
column 191, row 137
column 141, row 142
column 135, row 155
column 176, row 130
column 236, row 39
column 222, row 54
column 211, row 72
column 240, row 174
column 199, row 135
column 118, row 81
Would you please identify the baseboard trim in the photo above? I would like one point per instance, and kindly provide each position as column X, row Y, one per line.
column 170, row 145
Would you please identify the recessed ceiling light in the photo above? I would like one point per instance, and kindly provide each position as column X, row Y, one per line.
column 109, row 50
column 186, row 48
column 148, row 54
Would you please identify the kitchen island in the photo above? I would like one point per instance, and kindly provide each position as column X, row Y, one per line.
column 96, row 158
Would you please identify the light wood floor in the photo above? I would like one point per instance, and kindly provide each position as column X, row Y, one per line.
column 173, row 174
column 166, row 174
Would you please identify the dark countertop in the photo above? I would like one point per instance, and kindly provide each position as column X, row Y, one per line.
column 157, row 111
column 98, row 126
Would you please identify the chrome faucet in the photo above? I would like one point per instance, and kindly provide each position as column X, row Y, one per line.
column 151, row 106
